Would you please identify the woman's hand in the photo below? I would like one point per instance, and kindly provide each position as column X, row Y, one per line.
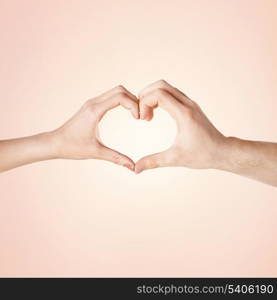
column 78, row 138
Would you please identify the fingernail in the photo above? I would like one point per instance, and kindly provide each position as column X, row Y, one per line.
column 129, row 166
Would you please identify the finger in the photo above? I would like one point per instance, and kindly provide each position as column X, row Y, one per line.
column 162, row 98
column 162, row 84
column 122, row 99
column 116, row 157
column 116, row 90
column 152, row 161
column 147, row 112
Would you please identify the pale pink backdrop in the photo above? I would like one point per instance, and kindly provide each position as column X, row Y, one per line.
column 92, row 218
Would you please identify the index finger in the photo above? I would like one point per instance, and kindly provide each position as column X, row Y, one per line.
column 162, row 98
column 162, row 84
column 123, row 99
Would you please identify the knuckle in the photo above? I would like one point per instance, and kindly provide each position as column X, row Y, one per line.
column 118, row 159
column 120, row 89
column 122, row 96
column 161, row 83
column 194, row 104
column 91, row 107
column 188, row 112
column 88, row 105
column 160, row 92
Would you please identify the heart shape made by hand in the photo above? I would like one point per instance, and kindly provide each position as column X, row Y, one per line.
column 142, row 137
column 196, row 144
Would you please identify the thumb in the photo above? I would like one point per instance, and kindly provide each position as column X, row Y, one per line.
column 118, row 158
column 151, row 161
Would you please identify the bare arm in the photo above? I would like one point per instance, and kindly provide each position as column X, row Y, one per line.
column 77, row 139
column 22, row 151
column 199, row 144
column 253, row 159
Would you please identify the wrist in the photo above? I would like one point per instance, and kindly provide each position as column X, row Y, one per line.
column 233, row 156
column 49, row 143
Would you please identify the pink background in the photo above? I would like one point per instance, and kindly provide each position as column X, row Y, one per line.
column 92, row 218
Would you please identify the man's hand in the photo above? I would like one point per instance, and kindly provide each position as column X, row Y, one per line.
column 198, row 143
column 78, row 138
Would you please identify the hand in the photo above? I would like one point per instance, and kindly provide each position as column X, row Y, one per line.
column 78, row 138
column 198, row 143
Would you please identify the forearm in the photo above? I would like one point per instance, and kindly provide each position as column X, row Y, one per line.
column 256, row 160
column 26, row 150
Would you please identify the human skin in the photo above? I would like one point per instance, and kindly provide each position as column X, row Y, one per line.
column 78, row 138
column 198, row 144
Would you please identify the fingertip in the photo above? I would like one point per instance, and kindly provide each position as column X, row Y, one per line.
column 117, row 158
column 129, row 166
column 149, row 118
column 142, row 116
column 139, row 166
column 137, row 170
column 146, row 115
column 136, row 115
